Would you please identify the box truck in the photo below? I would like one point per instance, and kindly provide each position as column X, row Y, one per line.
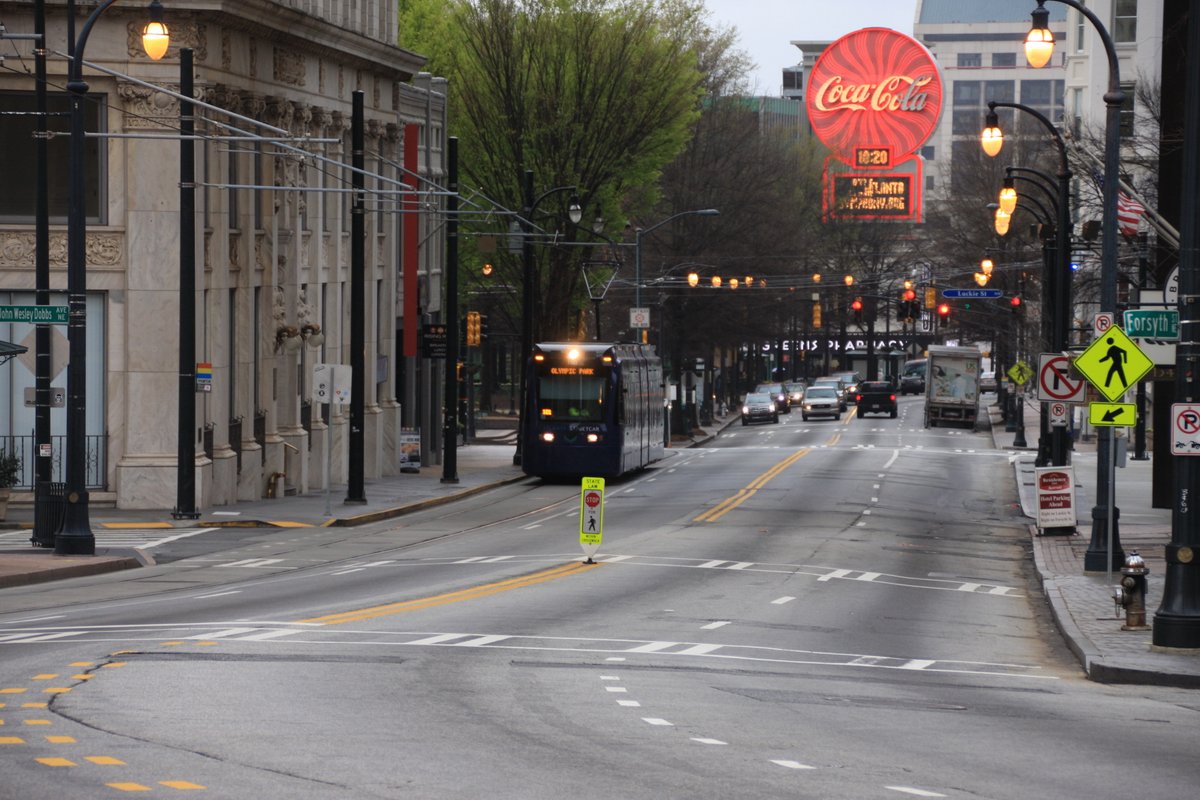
column 952, row 386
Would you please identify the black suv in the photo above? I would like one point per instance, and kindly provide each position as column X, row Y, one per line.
column 876, row 397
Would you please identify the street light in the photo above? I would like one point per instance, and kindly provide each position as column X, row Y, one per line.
column 1038, row 49
column 637, row 246
column 528, row 295
column 76, row 537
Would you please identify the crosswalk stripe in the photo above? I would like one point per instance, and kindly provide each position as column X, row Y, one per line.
column 223, row 634
column 25, row 638
column 264, row 635
column 252, row 562
column 651, row 647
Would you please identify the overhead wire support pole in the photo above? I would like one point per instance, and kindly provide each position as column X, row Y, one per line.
column 185, row 483
column 453, row 388
column 355, row 490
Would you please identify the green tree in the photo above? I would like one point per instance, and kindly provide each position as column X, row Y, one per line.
column 598, row 94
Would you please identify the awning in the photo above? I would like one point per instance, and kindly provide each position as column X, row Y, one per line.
column 9, row 350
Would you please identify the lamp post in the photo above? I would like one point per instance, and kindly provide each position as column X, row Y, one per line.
column 185, row 482
column 528, row 295
column 1177, row 620
column 1039, row 46
column 76, row 537
column 637, row 246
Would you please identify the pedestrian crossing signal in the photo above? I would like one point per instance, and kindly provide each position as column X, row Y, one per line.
column 473, row 329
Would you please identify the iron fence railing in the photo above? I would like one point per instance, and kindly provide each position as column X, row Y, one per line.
column 95, row 456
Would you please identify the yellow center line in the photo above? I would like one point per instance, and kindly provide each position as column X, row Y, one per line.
column 730, row 503
column 521, row 582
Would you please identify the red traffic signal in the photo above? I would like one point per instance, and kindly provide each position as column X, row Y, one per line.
column 1015, row 302
column 857, row 304
column 909, row 295
column 944, row 310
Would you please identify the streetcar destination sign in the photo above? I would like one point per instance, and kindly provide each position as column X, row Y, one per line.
column 50, row 315
column 973, row 294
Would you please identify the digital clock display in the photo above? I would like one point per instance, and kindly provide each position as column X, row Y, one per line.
column 872, row 157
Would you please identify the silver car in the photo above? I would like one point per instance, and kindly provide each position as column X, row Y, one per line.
column 821, row 401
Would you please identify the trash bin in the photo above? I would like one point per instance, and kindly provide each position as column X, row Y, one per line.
column 50, row 509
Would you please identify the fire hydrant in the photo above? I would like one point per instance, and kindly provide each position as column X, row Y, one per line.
column 1131, row 594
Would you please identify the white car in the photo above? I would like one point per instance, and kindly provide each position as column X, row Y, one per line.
column 987, row 382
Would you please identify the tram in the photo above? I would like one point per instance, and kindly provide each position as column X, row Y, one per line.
column 592, row 410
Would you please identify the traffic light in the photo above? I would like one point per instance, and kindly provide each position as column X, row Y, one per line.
column 472, row 329
column 943, row 315
column 816, row 319
column 857, row 308
column 909, row 308
column 1015, row 305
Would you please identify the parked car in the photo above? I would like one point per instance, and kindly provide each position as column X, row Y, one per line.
column 838, row 384
column 821, row 400
column 778, row 394
column 876, row 397
column 759, row 407
column 987, row 382
column 912, row 377
column 795, row 392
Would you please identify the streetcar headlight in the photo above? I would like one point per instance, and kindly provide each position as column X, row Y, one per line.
column 547, row 437
column 593, row 438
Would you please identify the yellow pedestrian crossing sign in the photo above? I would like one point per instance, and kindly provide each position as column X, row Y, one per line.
column 1020, row 373
column 1115, row 415
column 1112, row 363
column 591, row 516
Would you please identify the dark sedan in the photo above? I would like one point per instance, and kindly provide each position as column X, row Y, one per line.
column 759, row 407
column 876, row 397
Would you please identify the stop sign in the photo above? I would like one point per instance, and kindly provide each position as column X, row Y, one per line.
column 591, row 499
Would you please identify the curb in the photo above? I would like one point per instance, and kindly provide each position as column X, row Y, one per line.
column 93, row 566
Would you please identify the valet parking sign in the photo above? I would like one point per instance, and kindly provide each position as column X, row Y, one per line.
column 874, row 97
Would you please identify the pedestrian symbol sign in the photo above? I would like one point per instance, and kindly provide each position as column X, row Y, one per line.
column 1112, row 363
column 591, row 516
column 1020, row 373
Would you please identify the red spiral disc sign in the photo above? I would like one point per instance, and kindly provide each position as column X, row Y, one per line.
column 874, row 87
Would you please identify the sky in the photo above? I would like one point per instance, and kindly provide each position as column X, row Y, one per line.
column 766, row 26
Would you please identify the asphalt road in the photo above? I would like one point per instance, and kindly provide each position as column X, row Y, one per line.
column 805, row 610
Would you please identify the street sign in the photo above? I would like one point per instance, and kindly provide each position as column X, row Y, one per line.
column 1153, row 324
column 1020, row 373
column 1055, row 381
column 972, row 294
column 1112, row 415
column 1055, row 497
column 49, row 315
column 58, row 397
column 1112, row 363
column 591, row 516
column 1102, row 322
column 433, row 340
column 1058, row 414
column 639, row 318
column 1185, row 429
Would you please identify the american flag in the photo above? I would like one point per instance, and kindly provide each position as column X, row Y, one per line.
column 1129, row 211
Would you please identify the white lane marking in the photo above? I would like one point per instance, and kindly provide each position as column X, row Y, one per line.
column 651, row 647
column 609, row 678
column 1004, row 590
column 860, row 524
column 866, row 512
column 481, row 641
column 616, row 689
column 25, row 638
column 712, row 626
column 265, row 635
column 892, row 460
column 968, row 587
column 703, row 740
column 711, row 564
column 741, row 565
column 613, row 559
column 868, row 576
column 251, row 563
column 629, row 703
column 217, row 594
column 651, row 480
column 531, row 527
column 438, row 639
column 615, row 658
column 874, row 499
column 837, row 573
column 347, row 571
column 470, row 560
column 781, row 600
column 698, row 650
column 657, row 721
column 35, row 619
column 790, row 764
column 631, row 489
column 912, row 791
column 223, row 634
column 917, row 663
column 497, row 559
column 876, row 486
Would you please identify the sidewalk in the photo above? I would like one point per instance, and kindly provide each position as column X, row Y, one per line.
column 485, row 463
column 1082, row 603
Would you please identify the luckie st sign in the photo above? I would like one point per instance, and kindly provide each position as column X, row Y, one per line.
column 874, row 98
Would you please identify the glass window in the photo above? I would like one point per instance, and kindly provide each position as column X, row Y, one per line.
column 967, row 123
column 1000, row 91
column 1004, row 59
column 927, row 152
column 1124, row 27
column 1036, row 93
column 966, row 93
column 1079, row 30
column 17, row 126
column 1127, row 109
column 970, row 60
column 571, row 398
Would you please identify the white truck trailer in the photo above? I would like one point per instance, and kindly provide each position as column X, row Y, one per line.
column 952, row 386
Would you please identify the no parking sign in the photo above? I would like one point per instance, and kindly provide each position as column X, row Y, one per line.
column 1185, row 429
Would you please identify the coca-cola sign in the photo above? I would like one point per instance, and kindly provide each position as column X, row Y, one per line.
column 874, row 87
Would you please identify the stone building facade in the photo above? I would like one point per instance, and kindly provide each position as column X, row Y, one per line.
column 273, row 241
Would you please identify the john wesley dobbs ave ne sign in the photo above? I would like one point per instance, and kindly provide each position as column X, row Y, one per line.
column 49, row 315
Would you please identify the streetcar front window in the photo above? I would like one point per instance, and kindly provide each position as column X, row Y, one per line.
column 571, row 397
